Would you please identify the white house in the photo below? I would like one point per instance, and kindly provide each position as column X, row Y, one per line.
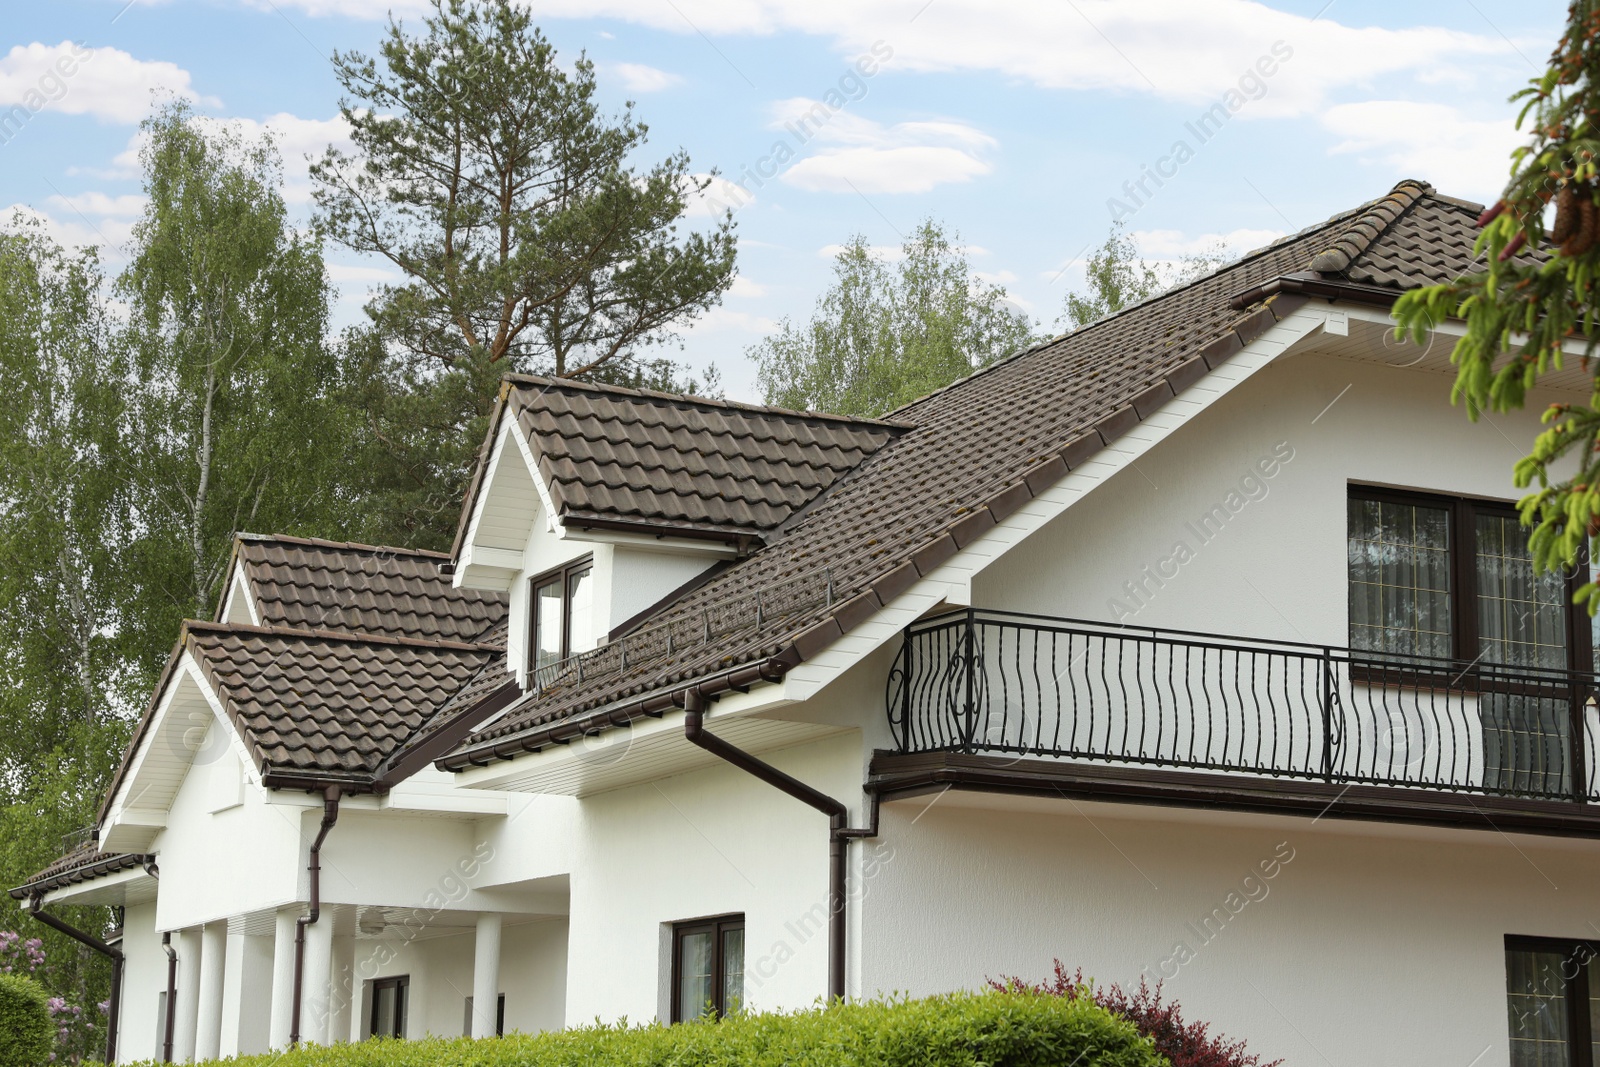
column 1200, row 644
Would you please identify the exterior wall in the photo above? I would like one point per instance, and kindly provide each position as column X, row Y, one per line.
column 227, row 849
column 707, row 843
column 1277, row 568
column 144, row 979
column 533, row 970
column 1373, row 945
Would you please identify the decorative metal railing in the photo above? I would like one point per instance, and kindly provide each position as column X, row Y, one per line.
column 1002, row 683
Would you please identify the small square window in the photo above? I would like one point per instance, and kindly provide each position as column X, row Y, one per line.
column 1551, row 1003
column 707, row 968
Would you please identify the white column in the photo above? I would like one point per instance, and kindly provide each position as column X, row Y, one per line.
column 314, row 1000
column 187, row 942
column 283, row 977
column 247, row 995
column 345, row 990
column 485, row 975
column 213, row 964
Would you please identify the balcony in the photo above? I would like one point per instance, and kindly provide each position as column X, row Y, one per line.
column 1018, row 703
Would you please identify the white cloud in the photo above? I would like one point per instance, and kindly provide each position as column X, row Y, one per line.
column 77, row 229
column 723, row 320
column 860, row 155
column 639, row 78
column 300, row 141
column 127, row 205
column 1175, row 244
column 881, row 253
column 1435, row 142
column 107, row 83
column 720, row 197
column 744, row 288
column 363, row 274
column 1186, row 50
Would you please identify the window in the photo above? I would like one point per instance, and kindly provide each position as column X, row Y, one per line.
column 388, row 999
column 1551, row 1005
column 707, row 967
column 499, row 1018
column 561, row 616
column 1452, row 578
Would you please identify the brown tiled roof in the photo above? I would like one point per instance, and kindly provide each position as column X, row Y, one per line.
column 334, row 585
column 82, row 864
column 981, row 448
column 632, row 458
column 325, row 706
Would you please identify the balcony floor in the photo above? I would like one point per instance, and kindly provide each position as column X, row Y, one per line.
column 895, row 774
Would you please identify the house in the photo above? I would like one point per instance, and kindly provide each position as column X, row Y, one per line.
column 1200, row 644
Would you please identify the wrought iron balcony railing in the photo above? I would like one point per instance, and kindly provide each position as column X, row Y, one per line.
column 1000, row 683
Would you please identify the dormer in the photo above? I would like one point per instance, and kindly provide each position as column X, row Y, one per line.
column 596, row 504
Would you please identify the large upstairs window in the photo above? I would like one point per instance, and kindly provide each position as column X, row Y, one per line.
column 1451, row 578
column 561, row 621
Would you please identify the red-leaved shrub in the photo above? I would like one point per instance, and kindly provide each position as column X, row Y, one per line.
column 1186, row 1044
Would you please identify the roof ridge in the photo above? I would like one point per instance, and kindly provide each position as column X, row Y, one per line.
column 352, row 546
column 1371, row 220
column 702, row 401
column 347, row 636
column 1153, row 298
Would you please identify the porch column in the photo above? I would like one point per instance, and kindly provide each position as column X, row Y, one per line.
column 213, row 962
column 345, row 991
column 187, row 943
column 485, row 975
column 282, row 976
column 247, row 994
column 315, row 1004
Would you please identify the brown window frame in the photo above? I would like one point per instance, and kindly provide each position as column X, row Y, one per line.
column 401, row 984
column 1580, row 1052
column 566, row 572
column 1460, row 512
column 716, row 925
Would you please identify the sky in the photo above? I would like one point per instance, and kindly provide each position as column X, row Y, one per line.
column 1027, row 127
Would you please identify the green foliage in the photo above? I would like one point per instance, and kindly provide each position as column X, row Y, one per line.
column 1116, row 277
column 958, row 1030
column 26, row 1032
column 528, row 239
column 884, row 335
column 231, row 423
column 1522, row 310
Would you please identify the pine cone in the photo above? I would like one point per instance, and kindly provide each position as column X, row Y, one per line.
column 1566, row 214
column 1584, row 238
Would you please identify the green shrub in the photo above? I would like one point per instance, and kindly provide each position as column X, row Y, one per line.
column 958, row 1030
column 26, row 1032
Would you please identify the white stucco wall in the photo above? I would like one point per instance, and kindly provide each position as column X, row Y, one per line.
column 1277, row 569
column 1375, row 945
column 708, row 843
column 144, row 978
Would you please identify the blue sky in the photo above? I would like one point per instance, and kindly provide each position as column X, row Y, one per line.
column 1025, row 126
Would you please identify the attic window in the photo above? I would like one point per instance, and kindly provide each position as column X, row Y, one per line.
column 562, row 613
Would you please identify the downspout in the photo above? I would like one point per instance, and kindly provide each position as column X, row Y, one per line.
column 172, row 995
column 36, row 909
column 330, row 815
column 839, row 831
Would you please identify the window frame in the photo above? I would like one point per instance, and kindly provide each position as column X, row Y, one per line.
column 401, row 984
column 1461, row 513
column 564, row 573
column 716, row 926
column 1580, row 1050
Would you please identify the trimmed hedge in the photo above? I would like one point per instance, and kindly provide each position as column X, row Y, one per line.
column 957, row 1030
column 26, row 1032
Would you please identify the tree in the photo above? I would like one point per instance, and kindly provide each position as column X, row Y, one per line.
column 1522, row 308
column 1117, row 277
column 883, row 335
column 484, row 171
column 233, row 421
column 65, row 686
